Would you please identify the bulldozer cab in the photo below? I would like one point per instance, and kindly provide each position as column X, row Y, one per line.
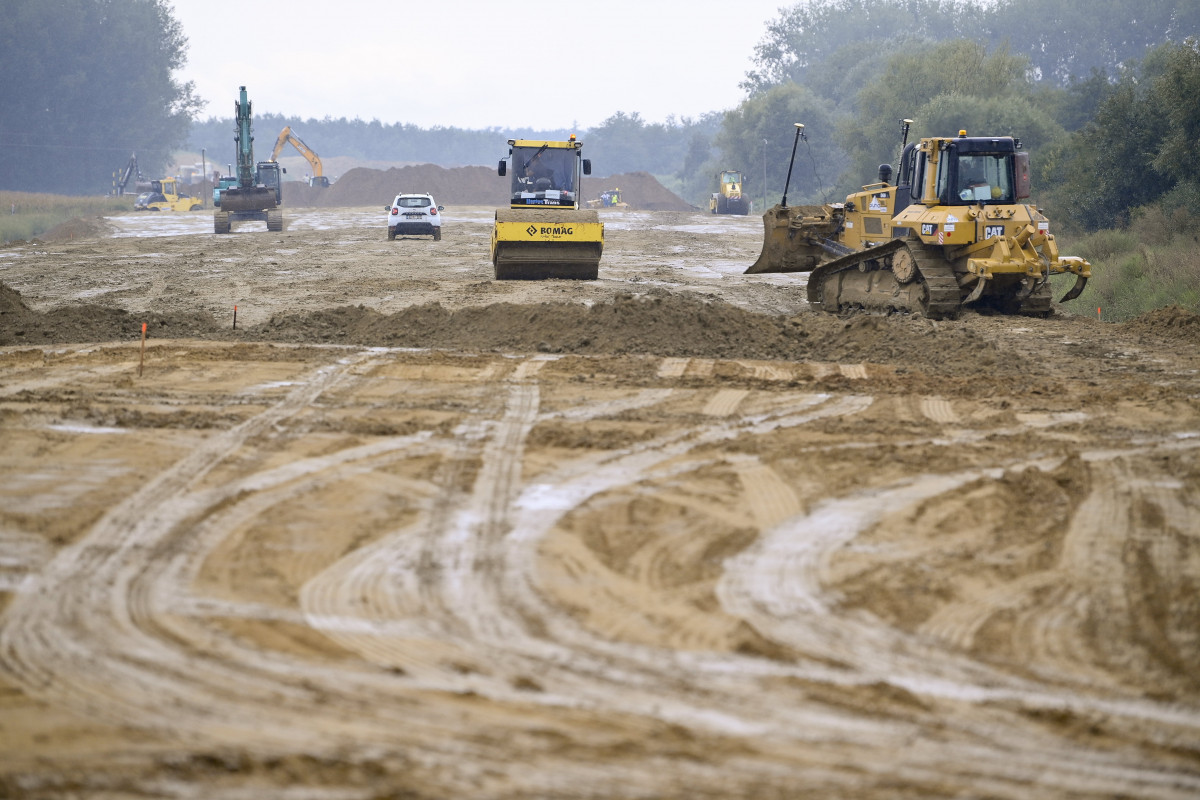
column 545, row 174
column 964, row 171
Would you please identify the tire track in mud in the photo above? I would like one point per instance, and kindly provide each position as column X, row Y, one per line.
column 456, row 599
column 99, row 605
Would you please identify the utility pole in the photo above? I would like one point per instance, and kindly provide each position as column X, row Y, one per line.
column 765, row 204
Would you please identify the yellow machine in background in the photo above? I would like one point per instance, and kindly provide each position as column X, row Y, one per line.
column 286, row 136
column 543, row 233
column 165, row 195
column 609, row 198
column 728, row 199
column 956, row 229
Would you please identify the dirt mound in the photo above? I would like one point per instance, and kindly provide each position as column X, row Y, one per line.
column 77, row 228
column 656, row 323
column 464, row 186
column 91, row 323
column 640, row 190
column 1171, row 322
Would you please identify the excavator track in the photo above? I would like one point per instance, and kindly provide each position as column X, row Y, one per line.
column 866, row 280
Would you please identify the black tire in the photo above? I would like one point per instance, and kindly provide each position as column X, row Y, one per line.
column 391, row 234
column 437, row 234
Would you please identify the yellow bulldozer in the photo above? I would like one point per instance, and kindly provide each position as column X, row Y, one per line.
column 543, row 233
column 729, row 199
column 956, row 229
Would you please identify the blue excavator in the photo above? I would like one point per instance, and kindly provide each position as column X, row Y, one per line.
column 258, row 192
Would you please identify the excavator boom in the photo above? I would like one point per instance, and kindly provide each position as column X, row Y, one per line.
column 287, row 136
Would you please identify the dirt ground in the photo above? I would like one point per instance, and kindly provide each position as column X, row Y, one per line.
column 409, row 532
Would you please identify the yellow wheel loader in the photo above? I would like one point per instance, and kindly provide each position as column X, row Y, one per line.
column 955, row 230
column 165, row 195
column 543, row 233
column 728, row 199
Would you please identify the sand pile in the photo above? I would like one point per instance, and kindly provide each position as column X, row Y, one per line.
column 464, row 186
column 656, row 323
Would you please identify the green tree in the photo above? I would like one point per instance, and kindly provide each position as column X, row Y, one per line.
column 1175, row 92
column 953, row 86
column 1139, row 147
column 807, row 35
column 87, row 83
column 758, row 136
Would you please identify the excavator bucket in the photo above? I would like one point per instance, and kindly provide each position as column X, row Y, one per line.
column 252, row 198
column 791, row 238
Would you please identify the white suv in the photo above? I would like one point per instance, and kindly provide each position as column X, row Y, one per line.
column 414, row 215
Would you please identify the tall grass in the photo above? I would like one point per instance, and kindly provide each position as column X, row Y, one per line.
column 1152, row 263
column 25, row 215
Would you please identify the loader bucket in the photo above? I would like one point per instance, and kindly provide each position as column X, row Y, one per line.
column 790, row 235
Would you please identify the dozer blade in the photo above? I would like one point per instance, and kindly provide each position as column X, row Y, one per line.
column 536, row 244
column 788, row 239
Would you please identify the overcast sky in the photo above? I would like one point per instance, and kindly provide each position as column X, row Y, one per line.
column 473, row 63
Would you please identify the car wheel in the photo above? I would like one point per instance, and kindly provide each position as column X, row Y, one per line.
column 391, row 234
column 437, row 234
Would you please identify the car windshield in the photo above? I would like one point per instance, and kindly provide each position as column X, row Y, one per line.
column 413, row 202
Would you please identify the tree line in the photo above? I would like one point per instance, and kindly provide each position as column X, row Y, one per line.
column 1102, row 93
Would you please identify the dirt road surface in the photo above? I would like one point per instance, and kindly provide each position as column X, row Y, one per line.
column 408, row 532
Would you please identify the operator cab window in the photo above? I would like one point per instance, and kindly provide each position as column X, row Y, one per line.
column 976, row 178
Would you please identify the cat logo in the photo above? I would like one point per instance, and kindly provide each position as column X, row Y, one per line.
column 993, row 231
column 928, row 228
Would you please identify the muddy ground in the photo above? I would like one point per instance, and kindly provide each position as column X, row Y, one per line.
column 409, row 532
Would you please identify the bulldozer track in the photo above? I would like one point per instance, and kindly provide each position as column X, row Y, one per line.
column 940, row 297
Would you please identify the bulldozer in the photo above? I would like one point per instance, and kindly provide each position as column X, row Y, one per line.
column 258, row 192
column 956, row 230
column 544, row 233
column 728, row 199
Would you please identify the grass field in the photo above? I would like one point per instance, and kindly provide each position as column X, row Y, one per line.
column 25, row 216
column 1153, row 263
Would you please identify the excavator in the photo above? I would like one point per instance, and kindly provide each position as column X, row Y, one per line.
column 957, row 229
column 286, row 136
column 129, row 172
column 258, row 192
column 728, row 199
column 543, row 233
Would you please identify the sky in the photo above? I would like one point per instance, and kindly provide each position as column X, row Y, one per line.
column 473, row 64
